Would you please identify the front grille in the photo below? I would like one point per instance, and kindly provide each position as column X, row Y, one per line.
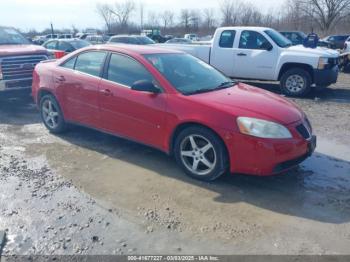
column 20, row 67
column 333, row 62
column 303, row 131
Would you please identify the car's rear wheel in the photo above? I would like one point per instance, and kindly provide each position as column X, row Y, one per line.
column 51, row 114
column 201, row 153
column 296, row 82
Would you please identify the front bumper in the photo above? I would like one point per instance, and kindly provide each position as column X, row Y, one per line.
column 326, row 77
column 266, row 157
column 11, row 85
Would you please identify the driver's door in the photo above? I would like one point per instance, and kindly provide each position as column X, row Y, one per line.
column 253, row 60
column 133, row 114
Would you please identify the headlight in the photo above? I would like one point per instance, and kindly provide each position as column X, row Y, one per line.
column 322, row 63
column 262, row 128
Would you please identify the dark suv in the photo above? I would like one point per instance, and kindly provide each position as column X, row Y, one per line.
column 18, row 57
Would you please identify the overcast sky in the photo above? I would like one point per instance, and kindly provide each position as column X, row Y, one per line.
column 27, row 14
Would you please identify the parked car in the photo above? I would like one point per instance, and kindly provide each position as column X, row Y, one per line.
column 51, row 36
column 179, row 41
column 192, row 37
column 131, row 40
column 65, row 36
column 347, row 45
column 296, row 37
column 61, row 47
column 95, row 39
column 336, row 41
column 264, row 54
column 177, row 103
column 18, row 58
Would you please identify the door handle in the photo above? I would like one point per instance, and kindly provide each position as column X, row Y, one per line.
column 60, row 79
column 241, row 54
column 106, row 92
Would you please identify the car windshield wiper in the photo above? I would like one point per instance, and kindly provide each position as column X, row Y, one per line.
column 223, row 85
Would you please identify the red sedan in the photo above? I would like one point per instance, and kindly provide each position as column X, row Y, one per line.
column 176, row 103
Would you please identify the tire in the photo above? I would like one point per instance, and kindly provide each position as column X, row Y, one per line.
column 55, row 122
column 208, row 149
column 296, row 82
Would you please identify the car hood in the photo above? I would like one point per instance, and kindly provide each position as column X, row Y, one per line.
column 319, row 51
column 12, row 50
column 249, row 101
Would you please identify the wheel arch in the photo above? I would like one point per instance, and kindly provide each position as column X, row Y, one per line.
column 183, row 126
column 288, row 66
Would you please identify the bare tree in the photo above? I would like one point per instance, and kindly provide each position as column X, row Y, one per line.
column 122, row 11
column 167, row 18
column 231, row 11
column 326, row 13
column 153, row 19
column 208, row 18
column 104, row 10
column 185, row 18
column 195, row 19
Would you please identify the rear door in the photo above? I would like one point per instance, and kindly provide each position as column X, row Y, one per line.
column 132, row 114
column 222, row 55
column 77, row 82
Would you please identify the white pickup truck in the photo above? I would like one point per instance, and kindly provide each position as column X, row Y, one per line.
column 264, row 54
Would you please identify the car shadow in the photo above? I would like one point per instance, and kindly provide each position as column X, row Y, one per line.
column 329, row 94
column 18, row 108
column 317, row 190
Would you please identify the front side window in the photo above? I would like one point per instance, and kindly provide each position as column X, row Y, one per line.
column 188, row 74
column 90, row 62
column 227, row 38
column 126, row 71
column 252, row 40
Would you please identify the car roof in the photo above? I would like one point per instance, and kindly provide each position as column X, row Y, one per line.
column 134, row 49
column 115, row 36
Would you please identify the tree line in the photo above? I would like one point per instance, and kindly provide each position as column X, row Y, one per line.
column 321, row 16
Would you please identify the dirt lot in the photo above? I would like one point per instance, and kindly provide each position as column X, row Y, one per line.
column 90, row 193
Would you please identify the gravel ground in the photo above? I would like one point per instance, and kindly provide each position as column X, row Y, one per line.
column 89, row 193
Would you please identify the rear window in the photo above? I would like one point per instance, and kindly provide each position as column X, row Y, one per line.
column 90, row 62
column 227, row 38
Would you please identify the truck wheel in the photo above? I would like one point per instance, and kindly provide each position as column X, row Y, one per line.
column 201, row 153
column 296, row 82
column 51, row 114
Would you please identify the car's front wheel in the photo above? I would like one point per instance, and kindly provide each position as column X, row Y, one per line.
column 296, row 82
column 201, row 153
column 51, row 114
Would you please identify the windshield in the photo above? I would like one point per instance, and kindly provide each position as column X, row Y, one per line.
column 188, row 74
column 278, row 38
column 77, row 44
column 145, row 41
column 9, row 36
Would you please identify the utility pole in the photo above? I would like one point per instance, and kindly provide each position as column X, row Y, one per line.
column 52, row 29
column 141, row 14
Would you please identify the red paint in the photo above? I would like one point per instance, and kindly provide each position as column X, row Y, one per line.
column 152, row 119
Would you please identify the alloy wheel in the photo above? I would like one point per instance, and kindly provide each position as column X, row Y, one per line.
column 198, row 154
column 295, row 83
column 50, row 114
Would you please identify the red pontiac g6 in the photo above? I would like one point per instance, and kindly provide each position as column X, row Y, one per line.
column 176, row 103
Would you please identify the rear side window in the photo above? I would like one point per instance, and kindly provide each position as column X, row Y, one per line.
column 126, row 71
column 70, row 63
column 227, row 38
column 90, row 62
column 51, row 45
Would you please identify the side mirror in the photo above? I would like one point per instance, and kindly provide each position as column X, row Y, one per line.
column 145, row 86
